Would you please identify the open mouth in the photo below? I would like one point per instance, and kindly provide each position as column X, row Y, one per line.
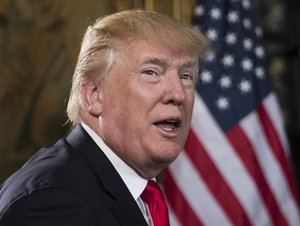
column 169, row 124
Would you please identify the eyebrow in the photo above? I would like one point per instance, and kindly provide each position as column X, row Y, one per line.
column 163, row 63
column 156, row 61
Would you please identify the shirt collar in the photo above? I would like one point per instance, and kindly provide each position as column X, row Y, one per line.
column 134, row 182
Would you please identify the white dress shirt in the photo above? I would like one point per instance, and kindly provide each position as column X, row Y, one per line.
column 134, row 182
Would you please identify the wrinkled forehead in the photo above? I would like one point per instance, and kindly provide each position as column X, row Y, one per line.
column 173, row 41
column 154, row 51
column 154, row 44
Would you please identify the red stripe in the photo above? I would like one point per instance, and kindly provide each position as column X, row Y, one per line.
column 277, row 148
column 215, row 181
column 180, row 206
column 244, row 149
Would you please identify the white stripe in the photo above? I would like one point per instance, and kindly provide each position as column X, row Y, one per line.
column 229, row 164
column 196, row 193
column 173, row 219
column 273, row 110
column 271, row 168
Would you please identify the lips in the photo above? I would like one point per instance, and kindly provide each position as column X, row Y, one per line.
column 169, row 126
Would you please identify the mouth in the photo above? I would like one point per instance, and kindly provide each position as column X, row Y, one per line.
column 169, row 127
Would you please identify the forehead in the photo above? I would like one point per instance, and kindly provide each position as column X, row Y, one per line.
column 156, row 52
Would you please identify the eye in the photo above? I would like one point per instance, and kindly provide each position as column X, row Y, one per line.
column 186, row 77
column 149, row 72
column 188, row 80
column 151, row 75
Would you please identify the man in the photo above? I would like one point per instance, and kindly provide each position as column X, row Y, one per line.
column 131, row 104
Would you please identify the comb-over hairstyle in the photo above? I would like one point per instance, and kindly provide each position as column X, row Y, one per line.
column 100, row 39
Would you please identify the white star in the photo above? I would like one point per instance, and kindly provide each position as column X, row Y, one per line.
column 210, row 56
column 248, row 44
column 228, row 60
column 225, row 81
column 259, row 72
column 247, row 23
column 206, row 77
column 245, row 86
column 199, row 10
column 215, row 13
column 259, row 51
column 233, row 17
column 230, row 38
column 247, row 64
column 246, row 4
column 222, row 103
column 258, row 32
column 212, row 34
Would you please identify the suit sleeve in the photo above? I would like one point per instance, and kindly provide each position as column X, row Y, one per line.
column 48, row 207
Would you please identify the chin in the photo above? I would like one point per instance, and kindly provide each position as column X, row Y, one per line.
column 168, row 155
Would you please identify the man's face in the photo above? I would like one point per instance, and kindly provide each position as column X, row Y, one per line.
column 147, row 102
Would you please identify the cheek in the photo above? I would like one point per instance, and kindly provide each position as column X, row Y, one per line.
column 189, row 104
column 125, row 110
column 142, row 99
column 114, row 109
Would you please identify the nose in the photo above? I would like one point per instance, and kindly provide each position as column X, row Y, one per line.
column 174, row 91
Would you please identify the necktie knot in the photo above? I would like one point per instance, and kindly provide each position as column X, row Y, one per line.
column 153, row 196
column 152, row 193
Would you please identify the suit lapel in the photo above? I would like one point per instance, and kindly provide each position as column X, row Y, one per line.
column 125, row 208
column 127, row 211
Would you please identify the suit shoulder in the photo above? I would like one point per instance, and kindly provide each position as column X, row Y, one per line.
column 57, row 166
column 53, row 206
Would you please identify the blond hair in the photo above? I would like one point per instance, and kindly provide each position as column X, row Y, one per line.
column 96, row 54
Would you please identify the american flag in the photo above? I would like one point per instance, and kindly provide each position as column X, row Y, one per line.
column 235, row 168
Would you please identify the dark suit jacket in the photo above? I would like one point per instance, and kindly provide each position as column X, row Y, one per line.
column 69, row 184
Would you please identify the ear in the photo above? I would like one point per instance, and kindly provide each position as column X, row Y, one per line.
column 92, row 100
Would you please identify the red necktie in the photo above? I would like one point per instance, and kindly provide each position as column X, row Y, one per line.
column 153, row 196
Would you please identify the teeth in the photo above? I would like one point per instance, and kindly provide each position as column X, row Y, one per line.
column 169, row 129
